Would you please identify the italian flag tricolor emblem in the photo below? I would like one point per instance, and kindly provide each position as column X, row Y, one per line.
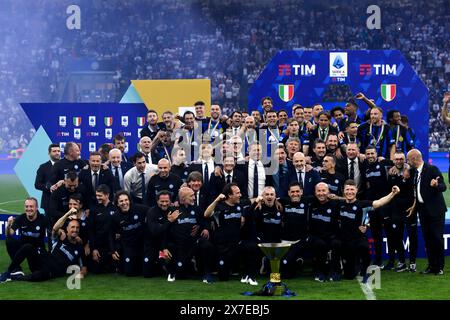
column 140, row 121
column 108, row 121
column 77, row 121
column 286, row 92
column 388, row 91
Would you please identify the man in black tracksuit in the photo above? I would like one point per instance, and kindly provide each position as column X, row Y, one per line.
column 31, row 227
column 395, row 226
column 231, row 215
column 323, row 217
column 127, row 234
column 100, row 219
column 45, row 266
column 187, row 236
column 158, row 219
column 353, row 226
column 375, row 175
column 294, row 228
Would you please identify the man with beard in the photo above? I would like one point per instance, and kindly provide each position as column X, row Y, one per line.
column 230, row 213
column 179, row 166
column 333, row 179
column 376, row 133
column 214, row 126
column 164, row 180
column 267, row 217
column 375, row 176
column 323, row 129
column 294, row 219
column 280, row 179
column 351, row 115
column 158, row 220
column 400, row 135
column 187, row 236
column 59, row 200
column 137, row 178
column 332, row 145
column 153, row 127
column 100, row 218
column 306, row 179
column 319, row 152
column 249, row 132
column 119, row 143
column 271, row 135
column 127, row 234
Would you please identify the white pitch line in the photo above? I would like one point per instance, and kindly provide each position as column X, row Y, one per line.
column 12, row 201
column 6, row 211
column 366, row 289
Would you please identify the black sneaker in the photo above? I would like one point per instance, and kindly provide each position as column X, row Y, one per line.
column 439, row 272
column 426, row 271
column 388, row 267
column 401, row 267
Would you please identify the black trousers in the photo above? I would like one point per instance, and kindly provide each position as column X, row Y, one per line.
column 320, row 248
column 433, row 235
column 355, row 252
column 131, row 261
column 395, row 229
column 42, row 265
column 376, row 226
column 179, row 265
column 13, row 245
column 103, row 265
column 411, row 230
column 232, row 254
column 288, row 264
column 152, row 266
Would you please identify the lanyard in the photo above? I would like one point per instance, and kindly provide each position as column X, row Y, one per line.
column 210, row 131
column 376, row 141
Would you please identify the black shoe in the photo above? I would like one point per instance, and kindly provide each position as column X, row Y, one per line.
column 439, row 272
column 426, row 271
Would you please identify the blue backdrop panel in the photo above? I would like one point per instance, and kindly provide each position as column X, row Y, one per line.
column 312, row 72
column 90, row 124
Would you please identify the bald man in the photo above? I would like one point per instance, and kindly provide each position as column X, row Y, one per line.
column 145, row 145
column 430, row 205
column 324, row 231
column 187, row 236
column 163, row 180
column 298, row 173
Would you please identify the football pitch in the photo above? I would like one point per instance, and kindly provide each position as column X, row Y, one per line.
column 394, row 286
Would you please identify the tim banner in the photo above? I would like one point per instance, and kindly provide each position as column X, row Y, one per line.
column 331, row 77
column 89, row 124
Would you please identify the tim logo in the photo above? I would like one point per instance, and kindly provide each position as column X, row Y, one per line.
column 92, row 146
column 108, row 133
column 378, row 69
column 124, row 121
column 338, row 64
column 77, row 133
column 297, row 70
column 92, row 121
column 62, row 121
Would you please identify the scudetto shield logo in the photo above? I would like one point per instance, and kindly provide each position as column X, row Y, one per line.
column 140, row 121
column 388, row 91
column 108, row 121
column 286, row 92
column 77, row 121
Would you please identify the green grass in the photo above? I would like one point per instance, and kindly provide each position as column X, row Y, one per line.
column 113, row 287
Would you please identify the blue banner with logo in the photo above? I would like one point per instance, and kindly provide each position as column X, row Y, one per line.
column 328, row 77
column 89, row 124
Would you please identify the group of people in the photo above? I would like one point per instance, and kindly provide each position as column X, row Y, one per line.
column 203, row 191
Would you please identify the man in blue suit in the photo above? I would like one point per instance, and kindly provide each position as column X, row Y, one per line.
column 118, row 169
column 306, row 179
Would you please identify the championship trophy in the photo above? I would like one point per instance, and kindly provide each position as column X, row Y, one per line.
column 274, row 252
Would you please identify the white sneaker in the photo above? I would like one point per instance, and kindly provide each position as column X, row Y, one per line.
column 244, row 279
column 171, row 278
column 252, row 282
